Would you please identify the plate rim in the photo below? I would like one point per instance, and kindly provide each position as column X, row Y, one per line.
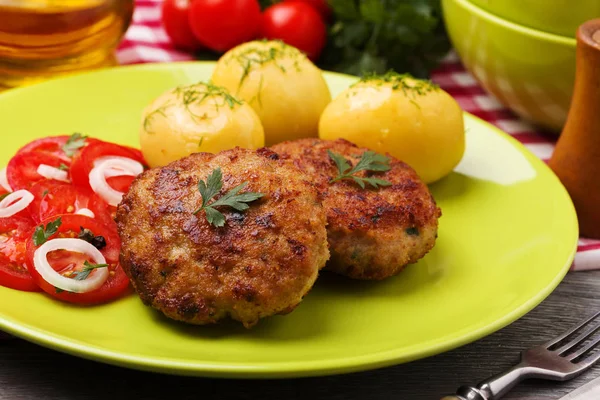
column 295, row 368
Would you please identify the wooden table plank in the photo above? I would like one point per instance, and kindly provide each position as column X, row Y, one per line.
column 31, row 372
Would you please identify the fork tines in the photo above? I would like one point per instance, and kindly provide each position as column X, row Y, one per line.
column 569, row 344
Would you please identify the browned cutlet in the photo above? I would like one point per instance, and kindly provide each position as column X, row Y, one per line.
column 261, row 263
column 373, row 233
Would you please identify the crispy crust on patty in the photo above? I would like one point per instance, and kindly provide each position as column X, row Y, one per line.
column 261, row 263
column 372, row 233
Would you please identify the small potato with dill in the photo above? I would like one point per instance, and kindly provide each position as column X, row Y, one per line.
column 287, row 91
column 197, row 118
column 412, row 119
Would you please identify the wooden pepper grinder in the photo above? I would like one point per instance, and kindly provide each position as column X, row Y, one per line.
column 576, row 159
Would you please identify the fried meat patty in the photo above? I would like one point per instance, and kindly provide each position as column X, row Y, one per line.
column 261, row 263
column 373, row 233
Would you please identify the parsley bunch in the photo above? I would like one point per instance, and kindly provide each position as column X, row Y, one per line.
column 379, row 35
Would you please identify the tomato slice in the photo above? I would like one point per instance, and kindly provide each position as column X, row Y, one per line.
column 64, row 261
column 21, row 171
column 83, row 163
column 14, row 234
column 52, row 145
column 120, row 183
column 54, row 198
column 40, row 190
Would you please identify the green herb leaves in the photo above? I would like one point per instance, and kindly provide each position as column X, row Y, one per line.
column 42, row 234
column 405, row 82
column 376, row 35
column 212, row 186
column 75, row 142
column 369, row 161
column 86, row 270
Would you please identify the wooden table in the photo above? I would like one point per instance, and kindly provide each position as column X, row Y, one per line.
column 28, row 371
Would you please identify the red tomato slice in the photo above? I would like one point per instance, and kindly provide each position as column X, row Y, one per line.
column 52, row 145
column 54, row 198
column 120, row 183
column 21, row 171
column 40, row 190
column 65, row 261
column 83, row 163
column 14, row 234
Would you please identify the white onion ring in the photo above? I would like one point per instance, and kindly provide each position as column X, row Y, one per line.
column 15, row 202
column 87, row 212
column 50, row 172
column 4, row 181
column 96, row 278
column 110, row 172
column 98, row 176
column 115, row 171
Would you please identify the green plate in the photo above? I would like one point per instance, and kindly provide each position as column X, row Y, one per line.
column 507, row 237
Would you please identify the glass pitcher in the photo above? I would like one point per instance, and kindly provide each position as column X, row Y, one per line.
column 40, row 39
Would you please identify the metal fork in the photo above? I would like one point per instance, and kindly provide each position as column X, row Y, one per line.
column 560, row 359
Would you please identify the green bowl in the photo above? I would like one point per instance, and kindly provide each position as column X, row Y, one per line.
column 560, row 17
column 529, row 71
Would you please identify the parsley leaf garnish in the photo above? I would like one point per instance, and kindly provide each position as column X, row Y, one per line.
column 63, row 167
column 87, row 269
column 3, row 196
column 369, row 161
column 212, row 186
column 41, row 234
column 74, row 143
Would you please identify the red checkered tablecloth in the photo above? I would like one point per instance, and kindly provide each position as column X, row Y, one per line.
column 146, row 41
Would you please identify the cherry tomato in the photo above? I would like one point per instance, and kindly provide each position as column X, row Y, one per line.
column 14, row 234
column 298, row 25
column 320, row 5
column 65, row 261
column 176, row 22
column 54, row 198
column 83, row 163
column 21, row 171
column 223, row 24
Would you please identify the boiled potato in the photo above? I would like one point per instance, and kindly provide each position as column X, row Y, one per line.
column 286, row 90
column 413, row 120
column 197, row 118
